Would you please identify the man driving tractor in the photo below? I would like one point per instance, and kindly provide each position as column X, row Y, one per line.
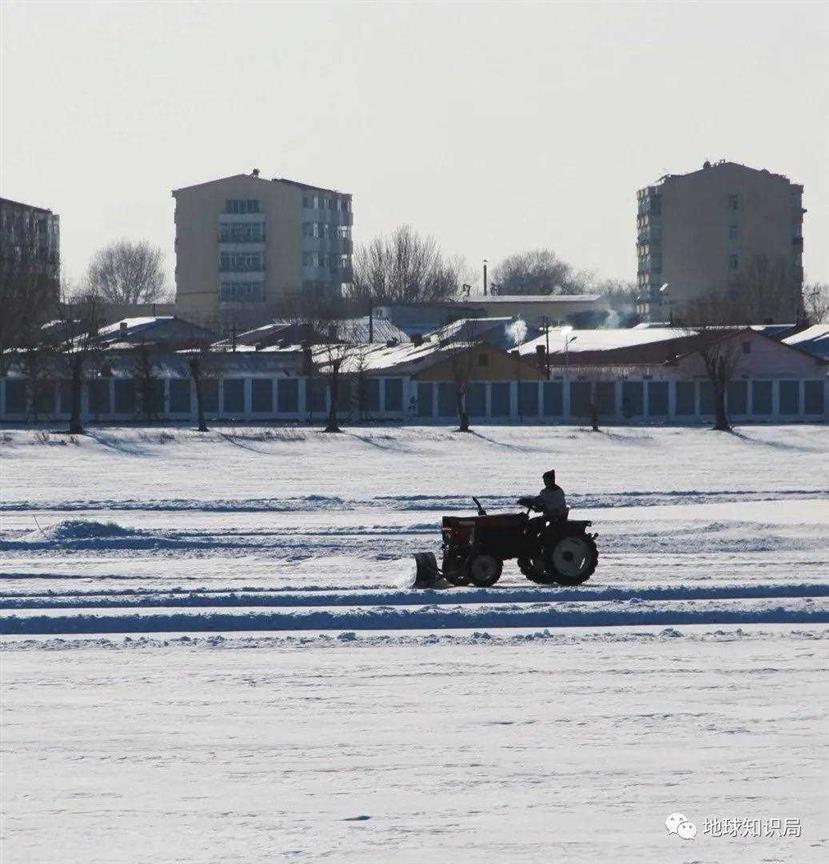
column 551, row 498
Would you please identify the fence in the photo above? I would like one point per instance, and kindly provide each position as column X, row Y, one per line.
column 300, row 399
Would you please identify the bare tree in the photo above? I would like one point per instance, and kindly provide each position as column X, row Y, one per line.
column 404, row 267
column 76, row 345
column 199, row 368
column 539, row 271
column 764, row 292
column 464, row 361
column 127, row 272
column 332, row 356
column 147, row 382
column 816, row 302
column 360, row 366
column 717, row 347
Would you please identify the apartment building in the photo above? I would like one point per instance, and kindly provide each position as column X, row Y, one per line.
column 723, row 228
column 247, row 248
column 30, row 254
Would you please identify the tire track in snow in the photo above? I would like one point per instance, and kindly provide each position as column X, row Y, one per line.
column 361, row 597
column 433, row 617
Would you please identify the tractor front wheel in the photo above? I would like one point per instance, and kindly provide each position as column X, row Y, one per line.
column 485, row 570
column 455, row 569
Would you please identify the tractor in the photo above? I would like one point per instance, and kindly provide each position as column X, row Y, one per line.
column 549, row 550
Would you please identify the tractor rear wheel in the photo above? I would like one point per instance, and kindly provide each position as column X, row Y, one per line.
column 574, row 559
column 485, row 570
column 571, row 561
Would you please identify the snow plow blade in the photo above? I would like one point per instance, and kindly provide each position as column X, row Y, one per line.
column 427, row 575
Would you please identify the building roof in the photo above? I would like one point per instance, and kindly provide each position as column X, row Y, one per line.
column 531, row 298
column 407, row 358
column 813, row 340
column 284, row 333
column 258, row 179
column 26, row 206
column 719, row 165
column 604, row 339
column 154, row 329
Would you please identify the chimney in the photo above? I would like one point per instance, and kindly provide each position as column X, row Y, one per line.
column 255, row 172
column 122, row 328
column 417, row 339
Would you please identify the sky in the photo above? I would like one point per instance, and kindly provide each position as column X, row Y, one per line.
column 495, row 127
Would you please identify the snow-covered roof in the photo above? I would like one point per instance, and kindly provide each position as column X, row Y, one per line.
column 133, row 325
column 813, row 340
column 603, row 339
column 532, row 298
column 285, row 333
column 410, row 357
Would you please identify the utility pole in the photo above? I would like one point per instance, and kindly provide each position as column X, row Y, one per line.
column 485, row 285
column 370, row 319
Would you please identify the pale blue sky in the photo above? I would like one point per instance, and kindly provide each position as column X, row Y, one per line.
column 495, row 127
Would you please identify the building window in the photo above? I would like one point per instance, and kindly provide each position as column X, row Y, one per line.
column 733, row 262
column 813, row 397
column 240, row 262
column 394, row 394
column 307, row 202
column 733, row 202
column 761, row 397
column 242, row 232
column 236, row 205
column 551, row 392
column 124, row 396
column 737, row 395
column 261, row 395
column 476, row 399
column 287, row 396
column 424, row 399
column 657, row 398
column 686, row 398
column 789, row 397
column 241, row 292
column 483, row 360
column 732, row 232
column 234, row 395
column 180, row 396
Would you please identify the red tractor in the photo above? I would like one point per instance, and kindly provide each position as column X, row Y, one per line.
column 549, row 550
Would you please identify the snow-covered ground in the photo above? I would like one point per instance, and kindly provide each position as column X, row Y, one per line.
column 210, row 653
